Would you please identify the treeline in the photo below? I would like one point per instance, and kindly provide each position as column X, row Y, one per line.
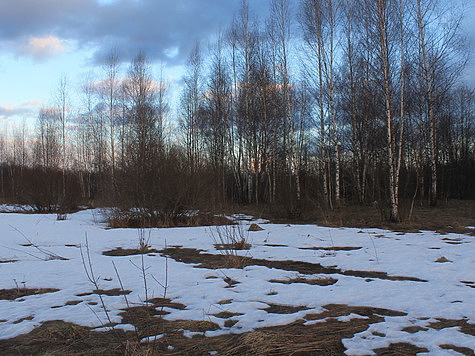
column 329, row 103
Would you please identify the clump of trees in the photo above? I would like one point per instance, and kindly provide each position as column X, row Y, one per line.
column 327, row 103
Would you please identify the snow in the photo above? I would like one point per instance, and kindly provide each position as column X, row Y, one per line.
column 444, row 295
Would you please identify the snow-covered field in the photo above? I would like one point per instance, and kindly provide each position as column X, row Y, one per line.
column 443, row 289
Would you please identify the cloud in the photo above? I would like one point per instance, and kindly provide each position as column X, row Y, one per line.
column 43, row 47
column 26, row 109
column 164, row 30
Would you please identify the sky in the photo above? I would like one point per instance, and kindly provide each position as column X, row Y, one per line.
column 41, row 40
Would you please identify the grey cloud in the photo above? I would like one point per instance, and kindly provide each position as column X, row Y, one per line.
column 157, row 27
column 27, row 109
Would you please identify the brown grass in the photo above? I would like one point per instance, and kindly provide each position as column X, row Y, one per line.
column 323, row 338
column 452, row 216
column 119, row 251
column 313, row 281
column 238, row 245
column 465, row 327
column 400, row 348
column 211, row 261
column 284, row 309
column 226, row 314
column 460, row 349
column 126, row 219
column 255, row 227
column 15, row 293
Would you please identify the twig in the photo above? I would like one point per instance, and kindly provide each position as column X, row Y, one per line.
column 51, row 255
column 92, row 279
column 374, row 247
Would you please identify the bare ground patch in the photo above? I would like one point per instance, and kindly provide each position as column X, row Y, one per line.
column 465, row 326
column 284, row 309
column 119, row 251
column 460, row 349
column 211, row 261
column 400, row 348
column 335, row 248
column 325, row 338
column 15, row 293
column 312, row 281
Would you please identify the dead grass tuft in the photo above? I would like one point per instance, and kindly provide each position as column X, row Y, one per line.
column 226, row 314
column 414, row 329
column 118, row 218
column 211, row 261
column 119, row 251
column 255, row 227
column 15, row 293
column 460, row 349
column 111, row 292
column 323, row 338
column 400, row 348
column 465, row 327
column 452, row 216
column 284, row 309
column 315, row 282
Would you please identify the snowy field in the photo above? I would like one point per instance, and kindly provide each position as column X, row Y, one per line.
column 424, row 276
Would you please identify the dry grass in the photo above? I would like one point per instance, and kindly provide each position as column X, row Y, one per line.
column 15, row 293
column 211, row 261
column 226, row 314
column 323, row 338
column 117, row 218
column 449, row 216
column 312, row 281
column 462, row 350
column 255, row 227
column 119, row 251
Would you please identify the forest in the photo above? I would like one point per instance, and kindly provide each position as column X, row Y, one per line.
column 323, row 104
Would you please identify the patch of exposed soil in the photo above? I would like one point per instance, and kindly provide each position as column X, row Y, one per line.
column 12, row 294
column 73, row 302
column 314, row 282
column 57, row 337
column 460, row 349
column 453, row 216
column 276, row 245
column 336, row 310
column 414, row 329
column 70, row 302
column 255, row 227
column 23, row 319
column 129, row 219
column 465, row 327
column 336, row 248
column 149, row 322
column 240, row 245
column 7, row 261
column 111, row 292
column 210, row 261
column 119, row 251
column 231, row 282
column 166, row 303
column 284, row 309
column 400, row 348
column 61, row 338
column 225, row 301
column 468, row 284
column 230, row 323
column 226, row 314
